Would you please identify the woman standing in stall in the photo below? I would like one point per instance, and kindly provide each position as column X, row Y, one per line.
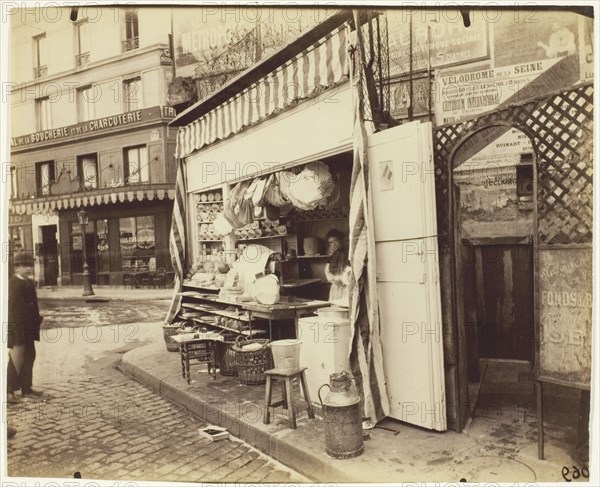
column 337, row 270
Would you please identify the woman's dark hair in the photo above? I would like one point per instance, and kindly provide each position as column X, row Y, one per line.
column 335, row 233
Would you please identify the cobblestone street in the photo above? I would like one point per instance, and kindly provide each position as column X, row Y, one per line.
column 76, row 313
column 116, row 428
column 111, row 428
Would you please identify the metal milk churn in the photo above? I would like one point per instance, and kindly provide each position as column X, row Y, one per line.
column 343, row 418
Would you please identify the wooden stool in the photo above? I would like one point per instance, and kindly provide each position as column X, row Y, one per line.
column 286, row 379
column 202, row 351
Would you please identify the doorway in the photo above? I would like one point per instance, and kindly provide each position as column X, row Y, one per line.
column 493, row 193
column 50, row 255
column 90, row 253
column 504, row 301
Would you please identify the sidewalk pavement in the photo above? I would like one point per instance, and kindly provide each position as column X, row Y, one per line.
column 492, row 449
column 116, row 293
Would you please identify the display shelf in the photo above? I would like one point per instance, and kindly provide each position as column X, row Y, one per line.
column 197, row 286
column 316, row 256
column 206, row 222
column 262, row 237
column 218, row 312
column 209, row 240
column 238, row 332
column 322, row 219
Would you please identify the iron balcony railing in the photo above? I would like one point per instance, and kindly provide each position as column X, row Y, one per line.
column 40, row 71
column 82, row 59
column 131, row 43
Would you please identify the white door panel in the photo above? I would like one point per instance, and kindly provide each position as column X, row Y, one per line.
column 403, row 202
column 409, row 347
column 398, row 177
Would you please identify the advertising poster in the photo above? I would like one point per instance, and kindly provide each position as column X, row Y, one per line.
column 586, row 50
column 400, row 98
column 448, row 41
column 566, row 316
column 525, row 36
column 203, row 34
column 464, row 94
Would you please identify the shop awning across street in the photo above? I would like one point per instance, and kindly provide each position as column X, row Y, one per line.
column 92, row 198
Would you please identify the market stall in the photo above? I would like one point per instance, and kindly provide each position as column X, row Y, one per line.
column 284, row 217
column 260, row 206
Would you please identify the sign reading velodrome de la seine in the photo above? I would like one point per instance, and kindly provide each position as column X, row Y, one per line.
column 95, row 125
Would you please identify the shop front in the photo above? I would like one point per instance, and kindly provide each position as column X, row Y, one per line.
column 119, row 240
column 19, row 235
column 284, row 178
column 120, row 170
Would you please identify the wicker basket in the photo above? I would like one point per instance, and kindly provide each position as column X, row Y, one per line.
column 225, row 357
column 168, row 332
column 252, row 364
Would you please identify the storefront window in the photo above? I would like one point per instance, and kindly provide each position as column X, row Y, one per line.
column 16, row 239
column 102, row 247
column 77, row 248
column 137, row 241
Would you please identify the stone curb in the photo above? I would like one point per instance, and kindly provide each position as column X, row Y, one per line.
column 276, row 445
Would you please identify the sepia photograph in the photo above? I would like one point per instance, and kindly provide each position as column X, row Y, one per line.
column 298, row 243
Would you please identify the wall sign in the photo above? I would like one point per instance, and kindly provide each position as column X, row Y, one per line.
column 92, row 126
column 448, row 41
column 565, row 295
column 534, row 35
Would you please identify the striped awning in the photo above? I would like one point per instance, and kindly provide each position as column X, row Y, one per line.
column 51, row 204
column 323, row 65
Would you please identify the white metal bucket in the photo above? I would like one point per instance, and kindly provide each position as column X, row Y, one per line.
column 286, row 354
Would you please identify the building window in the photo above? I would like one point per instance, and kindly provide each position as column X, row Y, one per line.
column 14, row 188
column 132, row 94
column 43, row 114
column 44, row 176
column 87, row 171
column 132, row 37
column 137, row 168
column 137, row 243
column 525, row 176
column 40, row 61
column 86, row 104
column 83, row 43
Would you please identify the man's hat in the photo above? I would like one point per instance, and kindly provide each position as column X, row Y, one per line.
column 24, row 259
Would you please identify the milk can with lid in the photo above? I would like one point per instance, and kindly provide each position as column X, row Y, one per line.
column 343, row 418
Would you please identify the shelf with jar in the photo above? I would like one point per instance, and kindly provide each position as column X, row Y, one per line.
column 209, row 204
column 210, row 246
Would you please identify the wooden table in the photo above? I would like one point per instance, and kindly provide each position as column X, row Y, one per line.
column 290, row 309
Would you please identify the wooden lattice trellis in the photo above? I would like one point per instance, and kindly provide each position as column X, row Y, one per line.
column 560, row 127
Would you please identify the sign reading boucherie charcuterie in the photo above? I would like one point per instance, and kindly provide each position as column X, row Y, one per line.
column 92, row 126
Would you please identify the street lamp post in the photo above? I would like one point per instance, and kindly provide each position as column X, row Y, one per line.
column 87, row 285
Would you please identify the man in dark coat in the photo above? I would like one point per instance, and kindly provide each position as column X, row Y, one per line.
column 23, row 327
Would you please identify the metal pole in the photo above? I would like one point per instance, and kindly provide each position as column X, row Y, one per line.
column 429, row 72
column 410, row 69
column 87, row 285
column 172, row 49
